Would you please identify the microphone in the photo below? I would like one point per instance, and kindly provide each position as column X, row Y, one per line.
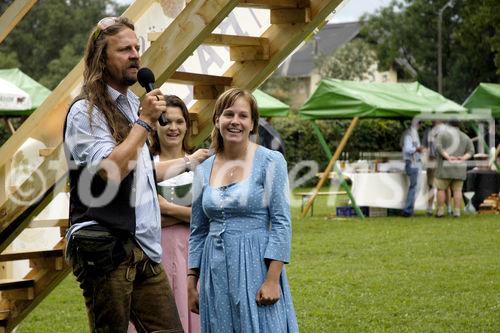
column 146, row 79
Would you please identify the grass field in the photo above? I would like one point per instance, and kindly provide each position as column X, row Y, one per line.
column 378, row 275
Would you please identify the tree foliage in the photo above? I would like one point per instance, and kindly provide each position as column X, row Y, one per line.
column 50, row 39
column 406, row 32
column 352, row 61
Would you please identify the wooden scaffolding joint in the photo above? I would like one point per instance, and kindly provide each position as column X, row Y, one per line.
column 203, row 91
column 290, row 16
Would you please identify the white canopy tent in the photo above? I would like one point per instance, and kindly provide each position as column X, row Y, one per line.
column 12, row 97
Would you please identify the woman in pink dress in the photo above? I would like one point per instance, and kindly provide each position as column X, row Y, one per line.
column 175, row 201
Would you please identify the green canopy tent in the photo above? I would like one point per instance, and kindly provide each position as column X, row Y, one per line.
column 270, row 106
column 20, row 95
column 485, row 96
column 339, row 99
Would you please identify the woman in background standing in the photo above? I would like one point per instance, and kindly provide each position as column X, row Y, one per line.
column 174, row 194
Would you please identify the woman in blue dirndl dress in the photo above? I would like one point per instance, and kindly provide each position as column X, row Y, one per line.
column 240, row 228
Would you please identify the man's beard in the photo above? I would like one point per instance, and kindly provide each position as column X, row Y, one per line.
column 129, row 80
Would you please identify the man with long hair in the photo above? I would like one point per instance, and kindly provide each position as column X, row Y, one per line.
column 114, row 238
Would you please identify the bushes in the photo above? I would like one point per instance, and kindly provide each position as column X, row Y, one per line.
column 371, row 135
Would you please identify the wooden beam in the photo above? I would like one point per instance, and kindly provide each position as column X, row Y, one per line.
column 11, row 17
column 10, row 125
column 290, row 16
column 207, row 91
column 330, row 165
column 153, row 36
column 22, row 255
column 44, row 152
column 48, row 223
column 201, row 79
column 181, row 38
column 275, row 4
column 32, row 196
column 283, row 39
column 46, row 123
column 9, row 284
column 234, row 40
column 248, row 53
column 45, row 282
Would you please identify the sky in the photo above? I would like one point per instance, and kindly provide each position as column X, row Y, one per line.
column 350, row 12
column 353, row 9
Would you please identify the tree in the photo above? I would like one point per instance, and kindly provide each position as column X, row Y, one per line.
column 406, row 32
column 352, row 61
column 49, row 41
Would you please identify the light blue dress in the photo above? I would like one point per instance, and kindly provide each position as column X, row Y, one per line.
column 234, row 229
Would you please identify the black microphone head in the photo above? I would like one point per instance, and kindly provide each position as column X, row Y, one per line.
column 145, row 77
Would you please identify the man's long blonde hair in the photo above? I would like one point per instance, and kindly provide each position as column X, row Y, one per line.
column 94, row 88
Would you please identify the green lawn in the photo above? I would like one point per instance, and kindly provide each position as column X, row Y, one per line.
column 377, row 275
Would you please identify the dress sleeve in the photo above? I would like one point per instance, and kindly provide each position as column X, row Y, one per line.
column 199, row 221
column 277, row 190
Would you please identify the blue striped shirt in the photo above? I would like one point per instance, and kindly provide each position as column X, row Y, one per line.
column 91, row 143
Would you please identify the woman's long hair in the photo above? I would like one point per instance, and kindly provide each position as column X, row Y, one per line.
column 176, row 102
column 94, row 88
column 226, row 100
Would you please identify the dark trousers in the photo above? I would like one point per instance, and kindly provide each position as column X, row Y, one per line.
column 137, row 290
column 413, row 173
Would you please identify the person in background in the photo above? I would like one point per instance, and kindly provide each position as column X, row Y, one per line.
column 413, row 165
column 170, row 143
column 429, row 144
column 269, row 137
column 453, row 149
column 240, row 228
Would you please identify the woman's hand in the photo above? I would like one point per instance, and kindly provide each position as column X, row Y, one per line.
column 193, row 297
column 268, row 294
column 167, row 221
column 199, row 156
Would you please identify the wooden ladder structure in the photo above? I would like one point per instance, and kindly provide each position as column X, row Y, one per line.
column 252, row 59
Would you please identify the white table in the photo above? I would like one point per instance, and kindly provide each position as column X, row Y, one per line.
column 386, row 189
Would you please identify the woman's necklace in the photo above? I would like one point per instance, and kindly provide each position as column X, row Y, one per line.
column 238, row 164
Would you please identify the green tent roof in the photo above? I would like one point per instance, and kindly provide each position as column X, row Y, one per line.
column 334, row 99
column 37, row 92
column 485, row 96
column 270, row 106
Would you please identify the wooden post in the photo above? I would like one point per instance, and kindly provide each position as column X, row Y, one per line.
column 330, row 165
column 12, row 15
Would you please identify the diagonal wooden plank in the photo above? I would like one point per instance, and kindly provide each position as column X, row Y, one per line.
column 181, row 38
column 195, row 78
column 11, row 17
column 46, row 123
column 275, row 4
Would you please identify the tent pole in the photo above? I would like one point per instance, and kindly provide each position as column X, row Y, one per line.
column 329, row 155
column 321, row 139
column 486, row 146
column 331, row 165
column 9, row 125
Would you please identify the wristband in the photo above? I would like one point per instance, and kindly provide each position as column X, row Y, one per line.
column 144, row 124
